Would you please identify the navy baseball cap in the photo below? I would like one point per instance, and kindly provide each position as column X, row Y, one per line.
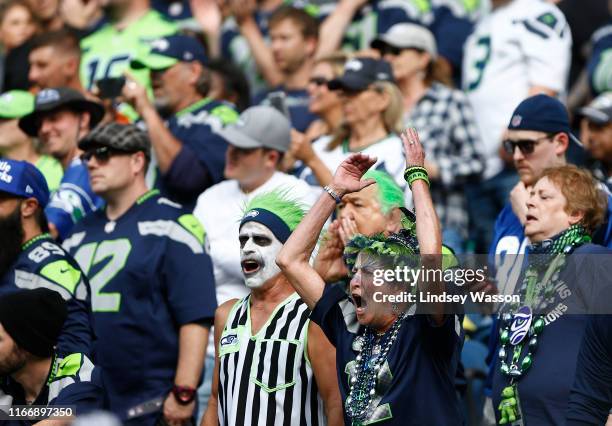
column 542, row 113
column 359, row 73
column 23, row 179
column 166, row 51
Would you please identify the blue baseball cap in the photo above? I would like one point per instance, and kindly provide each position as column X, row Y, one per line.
column 23, row 179
column 542, row 113
column 359, row 73
column 166, row 51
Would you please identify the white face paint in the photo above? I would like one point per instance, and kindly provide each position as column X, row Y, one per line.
column 258, row 250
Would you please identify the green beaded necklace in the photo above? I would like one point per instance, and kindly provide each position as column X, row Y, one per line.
column 519, row 327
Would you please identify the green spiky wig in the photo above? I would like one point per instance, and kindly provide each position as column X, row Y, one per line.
column 274, row 209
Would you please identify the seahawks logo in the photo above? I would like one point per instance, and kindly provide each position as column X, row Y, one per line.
column 520, row 325
column 252, row 213
column 230, row 339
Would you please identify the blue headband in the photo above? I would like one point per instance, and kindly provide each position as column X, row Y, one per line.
column 271, row 221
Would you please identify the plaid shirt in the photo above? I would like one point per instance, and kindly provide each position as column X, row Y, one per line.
column 447, row 129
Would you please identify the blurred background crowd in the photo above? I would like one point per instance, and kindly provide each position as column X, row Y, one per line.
column 308, row 83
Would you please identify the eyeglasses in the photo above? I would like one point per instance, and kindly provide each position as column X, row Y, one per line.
column 319, row 81
column 526, row 146
column 102, row 154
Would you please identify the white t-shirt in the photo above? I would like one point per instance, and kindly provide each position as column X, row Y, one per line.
column 388, row 151
column 521, row 44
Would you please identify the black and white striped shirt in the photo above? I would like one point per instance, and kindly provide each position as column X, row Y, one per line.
column 266, row 378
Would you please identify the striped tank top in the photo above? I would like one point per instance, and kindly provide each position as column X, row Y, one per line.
column 266, row 378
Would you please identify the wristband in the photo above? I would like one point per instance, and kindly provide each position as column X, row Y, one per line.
column 417, row 175
column 332, row 194
column 183, row 394
column 412, row 169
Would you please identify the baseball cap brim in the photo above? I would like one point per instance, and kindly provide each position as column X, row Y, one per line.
column 238, row 139
column 383, row 41
column 16, row 104
column 594, row 115
column 348, row 82
column 153, row 61
column 30, row 123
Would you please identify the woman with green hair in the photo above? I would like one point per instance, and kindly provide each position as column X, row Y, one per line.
column 394, row 367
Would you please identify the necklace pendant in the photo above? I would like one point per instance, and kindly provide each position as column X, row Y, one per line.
column 521, row 322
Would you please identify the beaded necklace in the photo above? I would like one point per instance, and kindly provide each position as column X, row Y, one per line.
column 373, row 351
column 518, row 323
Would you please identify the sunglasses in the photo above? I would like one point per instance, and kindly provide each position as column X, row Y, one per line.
column 102, row 154
column 526, row 146
column 318, row 81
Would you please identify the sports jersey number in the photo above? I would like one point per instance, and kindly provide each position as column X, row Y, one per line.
column 485, row 44
column 43, row 251
column 94, row 253
column 509, row 256
column 115, row 61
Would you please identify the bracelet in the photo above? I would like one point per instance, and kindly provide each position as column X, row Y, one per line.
column 332, row 194
column 411, row 169
column 417, row 176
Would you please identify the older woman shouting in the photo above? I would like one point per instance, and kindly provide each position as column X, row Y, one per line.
column 394, row 367
column 564, row 281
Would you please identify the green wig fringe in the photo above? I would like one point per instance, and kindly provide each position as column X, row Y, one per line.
column 396, row 250
column 278, row 201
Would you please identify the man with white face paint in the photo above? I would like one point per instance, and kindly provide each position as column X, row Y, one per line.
column 265, row 343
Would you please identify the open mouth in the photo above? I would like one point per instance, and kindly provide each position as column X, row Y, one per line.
column 250, row 266
column 359, row 302
column 530, row 218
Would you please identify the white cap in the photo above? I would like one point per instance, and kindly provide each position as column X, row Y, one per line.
column 408, row 36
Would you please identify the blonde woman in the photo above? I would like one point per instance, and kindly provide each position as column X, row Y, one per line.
column 372, row 117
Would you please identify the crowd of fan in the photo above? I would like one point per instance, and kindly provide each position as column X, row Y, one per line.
column 162, row 127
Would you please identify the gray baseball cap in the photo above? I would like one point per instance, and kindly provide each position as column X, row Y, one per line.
column 259, row 127
column 408, row 36
column 599, row 111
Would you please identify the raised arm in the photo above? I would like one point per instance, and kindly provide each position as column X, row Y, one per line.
column 333, row 28
column 294, row 257
column 428, row 230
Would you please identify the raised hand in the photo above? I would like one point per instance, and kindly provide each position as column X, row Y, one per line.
column 413, row 150
column 329, row 263
column 347, row 178
column 208, row 14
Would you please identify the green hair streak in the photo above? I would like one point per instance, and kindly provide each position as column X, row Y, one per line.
column 390, row 195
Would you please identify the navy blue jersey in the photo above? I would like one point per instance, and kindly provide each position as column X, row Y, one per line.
column 149, row 275
column 73, row 200
column 43, row 263
column 591, row 396
column 73, row 381
column 420, row 369
column 297, row 103
column 544, row 389
column 195, row 127
column 599, row 66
